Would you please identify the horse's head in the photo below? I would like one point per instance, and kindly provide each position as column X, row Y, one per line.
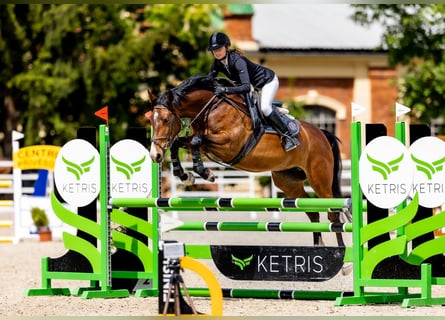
column 166, row 126
column 186, row 100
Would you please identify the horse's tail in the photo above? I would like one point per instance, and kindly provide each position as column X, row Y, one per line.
column 334, row 141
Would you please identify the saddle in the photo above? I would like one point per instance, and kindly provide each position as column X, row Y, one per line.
column 258, row 119
column 259, row 123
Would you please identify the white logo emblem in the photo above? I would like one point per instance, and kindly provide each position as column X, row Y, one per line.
column 386, row 172
column 76, row 173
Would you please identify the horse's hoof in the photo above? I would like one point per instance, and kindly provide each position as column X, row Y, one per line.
column 320, row 243
column 346, row 269
column 190, row 181
column 117, row 227
column 113, row 248
column 211, row 177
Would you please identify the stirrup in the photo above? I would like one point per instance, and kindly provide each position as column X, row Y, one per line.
column 289, row 143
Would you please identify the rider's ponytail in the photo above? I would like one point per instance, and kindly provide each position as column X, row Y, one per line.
column 239, row 51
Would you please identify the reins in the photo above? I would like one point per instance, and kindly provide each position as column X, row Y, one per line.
column 203, row 109
column 183, row 124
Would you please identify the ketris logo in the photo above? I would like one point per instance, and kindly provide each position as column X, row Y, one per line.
column 78, row 169
column 130, row 170
column 429, row 169
column 386, row 172
column 428, row 156
column 241, row 263
column 77, row 173
column 383, row 168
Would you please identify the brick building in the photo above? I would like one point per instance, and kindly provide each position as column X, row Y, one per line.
column 322, row 59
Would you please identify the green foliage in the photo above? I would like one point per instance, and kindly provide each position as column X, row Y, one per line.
column 39, row 218
column 296, row 109
column 61, row 63
column 414, row 36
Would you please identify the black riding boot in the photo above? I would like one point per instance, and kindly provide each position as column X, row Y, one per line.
column 286, row 128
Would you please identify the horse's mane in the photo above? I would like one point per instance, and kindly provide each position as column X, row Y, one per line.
column 196, row 82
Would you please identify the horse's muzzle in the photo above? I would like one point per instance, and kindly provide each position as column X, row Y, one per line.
column 156, row 153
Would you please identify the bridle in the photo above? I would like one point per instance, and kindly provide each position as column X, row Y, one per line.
column 169, row 138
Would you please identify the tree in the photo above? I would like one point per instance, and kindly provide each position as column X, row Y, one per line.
column 12, row 48
column 61, row 63
column 414, row 36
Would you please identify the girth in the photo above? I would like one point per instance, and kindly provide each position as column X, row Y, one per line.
column 254, row 138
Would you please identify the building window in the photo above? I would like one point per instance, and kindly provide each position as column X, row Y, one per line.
column 321, row 117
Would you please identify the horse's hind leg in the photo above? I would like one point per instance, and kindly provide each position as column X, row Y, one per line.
column 198, row 165
column 292, row 184
column 334, row 217
column 323, row 189
column 315, row 217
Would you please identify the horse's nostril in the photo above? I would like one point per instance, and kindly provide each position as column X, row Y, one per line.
column 158, row 157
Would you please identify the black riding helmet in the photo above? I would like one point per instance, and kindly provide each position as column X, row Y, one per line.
column 218, row 40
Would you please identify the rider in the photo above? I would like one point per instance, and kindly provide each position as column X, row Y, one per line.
column 244, row 73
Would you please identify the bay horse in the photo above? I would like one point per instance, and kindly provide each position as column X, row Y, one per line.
column 220, row 129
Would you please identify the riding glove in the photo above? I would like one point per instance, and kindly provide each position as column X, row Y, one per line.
column 220, row 91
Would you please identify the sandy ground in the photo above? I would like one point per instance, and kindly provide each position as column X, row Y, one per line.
column 20, row 270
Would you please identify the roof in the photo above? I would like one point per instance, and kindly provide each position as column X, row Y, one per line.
column 243, row 8
column 311, row 27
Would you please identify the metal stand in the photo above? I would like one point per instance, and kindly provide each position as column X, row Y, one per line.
column 175, row 283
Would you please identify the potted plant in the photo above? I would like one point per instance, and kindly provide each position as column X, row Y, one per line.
column 41, row 222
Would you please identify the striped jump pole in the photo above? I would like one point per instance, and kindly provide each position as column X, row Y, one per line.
column 329, row 204
column 5, row 223
column 6, row 203
column 250, row 209
column 265, row 226
column 270, row 293
column 5, row 183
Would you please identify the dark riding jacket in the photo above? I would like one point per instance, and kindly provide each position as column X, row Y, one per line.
column 243, row 72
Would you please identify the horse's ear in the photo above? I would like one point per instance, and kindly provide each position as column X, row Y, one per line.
column 169, row 95
column 151, row 96
column 149, row 116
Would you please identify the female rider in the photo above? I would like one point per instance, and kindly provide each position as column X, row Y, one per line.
column 244, row 73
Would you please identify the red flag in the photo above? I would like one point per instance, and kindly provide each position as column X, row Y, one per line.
column 102, row 113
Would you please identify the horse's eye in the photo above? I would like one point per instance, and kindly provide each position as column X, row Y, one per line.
column 165, row 120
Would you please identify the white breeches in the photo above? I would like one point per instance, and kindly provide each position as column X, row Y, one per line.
column 268, row 95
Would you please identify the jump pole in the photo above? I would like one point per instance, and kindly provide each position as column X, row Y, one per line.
column 264, row 226
column 235, row 203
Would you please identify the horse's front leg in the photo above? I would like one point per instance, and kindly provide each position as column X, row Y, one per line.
column 198, row 165
column 178, row 171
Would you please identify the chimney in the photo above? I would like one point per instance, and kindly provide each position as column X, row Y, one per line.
column 238, row 25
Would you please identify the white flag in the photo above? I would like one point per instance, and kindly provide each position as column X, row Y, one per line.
column 168, row 223
column 356, row 109
column 17, row 135
column 401, row 109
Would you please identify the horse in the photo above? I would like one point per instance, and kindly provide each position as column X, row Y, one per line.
column 221, row 127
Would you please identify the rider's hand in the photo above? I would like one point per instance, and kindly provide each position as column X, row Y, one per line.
column 220, row 91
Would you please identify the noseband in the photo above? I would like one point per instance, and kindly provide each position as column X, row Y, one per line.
column 168, row 138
